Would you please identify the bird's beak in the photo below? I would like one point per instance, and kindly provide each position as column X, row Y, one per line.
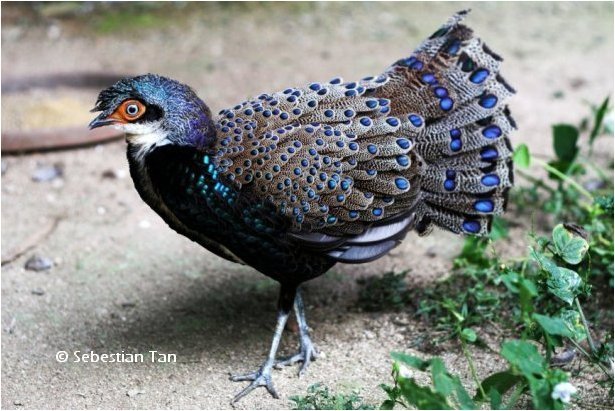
column 101, row 121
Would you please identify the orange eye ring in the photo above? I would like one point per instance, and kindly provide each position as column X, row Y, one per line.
column 129, row 111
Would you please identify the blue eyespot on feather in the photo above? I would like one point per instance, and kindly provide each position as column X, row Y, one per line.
column 455, row 145
column 478, row 76
column 403, row 160
column 490, row 180
column 446, row 104
column 483, row 206
column 365, row 121
column 440, row 92
column 392, row 121
column 471, row 226
column 402, row 183
column 488, row 101
column 416, row 121
column 488, row 153
column 403, row 143
column 492, row 132
column 428, row 78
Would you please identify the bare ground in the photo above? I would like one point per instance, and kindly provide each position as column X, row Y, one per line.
column 122, row 280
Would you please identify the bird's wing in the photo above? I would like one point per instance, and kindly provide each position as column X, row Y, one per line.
column 340, row 160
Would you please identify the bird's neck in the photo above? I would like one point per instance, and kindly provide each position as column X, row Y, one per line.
column 190, row 124
column 156, row 171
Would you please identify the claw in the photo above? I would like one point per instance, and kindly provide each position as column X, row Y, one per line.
column 306, row 355
column 260, row 378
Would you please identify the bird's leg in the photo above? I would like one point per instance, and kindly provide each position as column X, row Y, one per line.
column 262, row 377
column 307, row 351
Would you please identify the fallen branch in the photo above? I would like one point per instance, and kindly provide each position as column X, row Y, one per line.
column 31, row 241
column 56, row 138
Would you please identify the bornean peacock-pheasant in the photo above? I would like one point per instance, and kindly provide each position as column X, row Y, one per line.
column 293, row 182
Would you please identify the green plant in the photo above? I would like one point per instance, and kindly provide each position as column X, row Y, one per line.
column 528, row 371
column 319, row 398
column 387, row 292
column 550, row 313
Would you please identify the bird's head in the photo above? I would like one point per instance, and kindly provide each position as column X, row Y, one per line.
column 153, row 110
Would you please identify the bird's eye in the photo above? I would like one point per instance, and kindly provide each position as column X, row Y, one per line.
column 132, row 110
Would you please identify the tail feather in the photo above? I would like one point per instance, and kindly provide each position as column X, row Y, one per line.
column 453, row 82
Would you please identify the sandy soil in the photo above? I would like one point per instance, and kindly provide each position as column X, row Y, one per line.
column 122, row 280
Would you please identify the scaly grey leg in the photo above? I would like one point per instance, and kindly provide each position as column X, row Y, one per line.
column 307, row 351
column 262, row 377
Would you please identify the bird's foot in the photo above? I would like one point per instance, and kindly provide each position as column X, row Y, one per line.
column 307, row 353
column 260, row 378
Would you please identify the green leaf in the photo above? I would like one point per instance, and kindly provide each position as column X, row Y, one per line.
column 609, row 127
column 541, row 393
column 560, row 165
column 495, row 399
column 387, row 405
column 524, row 356
column 565, row 138
column 410, row 360
column 500, row 382
column 423, row 398
column 521, row 156
column 468, row 335
column 442, row 381
column 572, row 319
column 598, row 120
column 545, row 262
column 564, row 284
column 527, row 292
column 499, row 229
column 572, row 248
column 463, row 397
column 510, row 280
column 553, row 326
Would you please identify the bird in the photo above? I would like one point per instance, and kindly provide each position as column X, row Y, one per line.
column 293, row 182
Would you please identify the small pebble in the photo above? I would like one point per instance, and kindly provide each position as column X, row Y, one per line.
column 54, row 32
column 369, row 335
column 594, row 184
column 11, row 326
column 38, row 291
column 47, row 173
column 134, row 393
column 113, row 174
column 38, row 263
column 564, row 357
column 128, row 304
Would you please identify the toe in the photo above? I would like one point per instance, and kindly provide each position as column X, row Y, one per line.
column 244, row 377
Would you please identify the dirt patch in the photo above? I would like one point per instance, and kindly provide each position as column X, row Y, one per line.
column 123, row 281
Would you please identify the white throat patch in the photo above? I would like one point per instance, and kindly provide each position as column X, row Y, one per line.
column 145, row 136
